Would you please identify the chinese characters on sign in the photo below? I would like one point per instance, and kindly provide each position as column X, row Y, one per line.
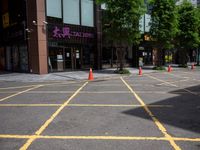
column 65, row 32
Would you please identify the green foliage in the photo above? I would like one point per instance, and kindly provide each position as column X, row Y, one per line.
column 124, row 71
column 121, row 19
column 161, row 68
column 164, row 23
column 189, row 24
column 183, row 66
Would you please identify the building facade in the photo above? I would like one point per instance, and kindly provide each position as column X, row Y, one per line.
column 50, row 35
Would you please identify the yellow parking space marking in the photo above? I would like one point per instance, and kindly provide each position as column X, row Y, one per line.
column 194, row 93
column 17, row 87
column 6, row 136
column 98, row 138
column 79, row 105
column 45, row 84
column 111, row 105
column 18, row 93
column 46, row 124
column 187, row 139
column 161, row 80
column 103, row 92
column 82, row 137
column 30, row 105
column 178, row 76
column 175, row 82
column 156, row 121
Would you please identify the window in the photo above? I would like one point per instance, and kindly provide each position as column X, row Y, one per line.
column 54, row 8
column 87, row 12
column 71, row 13
column 76, row 12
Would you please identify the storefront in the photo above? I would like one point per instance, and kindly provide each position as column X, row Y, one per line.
column 13, row 42
column 15, row 49
column 72, row 35
column 43, row 36
column 71, row 47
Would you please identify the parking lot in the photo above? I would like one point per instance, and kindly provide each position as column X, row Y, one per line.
column 158, row 111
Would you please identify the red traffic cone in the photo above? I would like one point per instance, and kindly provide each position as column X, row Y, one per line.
column 90, row 77
column 140, row 71
column 192, row 67
column 169, row 68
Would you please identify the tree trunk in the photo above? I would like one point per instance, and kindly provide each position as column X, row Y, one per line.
column 120, row 56
column 183, row 56
column 159, row 60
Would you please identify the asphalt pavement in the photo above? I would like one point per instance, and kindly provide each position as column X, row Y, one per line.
column 158, row 110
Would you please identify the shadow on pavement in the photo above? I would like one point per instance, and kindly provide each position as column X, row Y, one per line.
column 184, row 114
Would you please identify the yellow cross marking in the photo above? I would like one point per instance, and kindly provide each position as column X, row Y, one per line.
column 46, row 124
column 156, row 121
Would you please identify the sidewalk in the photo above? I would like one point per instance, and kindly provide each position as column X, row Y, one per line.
column 65, row 76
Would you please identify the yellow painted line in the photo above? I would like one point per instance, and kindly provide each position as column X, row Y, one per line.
column 45, row 125
column 111, row 105
column 178, row 76
column 45, row 84
column 98, row 138
column 187, row 139
column 162, row 80
column 30, row 105
column 104, row 137
column 194, row 93
column 175, row 82
column 79, row 105
column 15, row 136
column 82, row 137
column 156, row 121
column 17, row 87
column 18, row 93
column 103, row 92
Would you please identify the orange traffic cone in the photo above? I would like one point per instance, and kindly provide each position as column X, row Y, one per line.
column 90, row 77
column 140, row 71
column 169, row 68
column 192, row 67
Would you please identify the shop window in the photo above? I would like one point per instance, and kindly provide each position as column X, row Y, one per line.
column 54, row 8
column 87, row 13
column 71, row 13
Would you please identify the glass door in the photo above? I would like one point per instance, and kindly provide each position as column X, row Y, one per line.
column 68, row 58
column 77, row 58
column 55, row 60
column 72, row 58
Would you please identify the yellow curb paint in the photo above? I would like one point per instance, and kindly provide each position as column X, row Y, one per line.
column 162, row 81
column 79, row 105
column 45, row 125
column 156, row 121
column 18, row 93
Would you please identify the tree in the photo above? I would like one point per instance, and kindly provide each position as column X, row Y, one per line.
column 121, row 23
column 164, row 26
column 189, row 23
column 198, row 13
